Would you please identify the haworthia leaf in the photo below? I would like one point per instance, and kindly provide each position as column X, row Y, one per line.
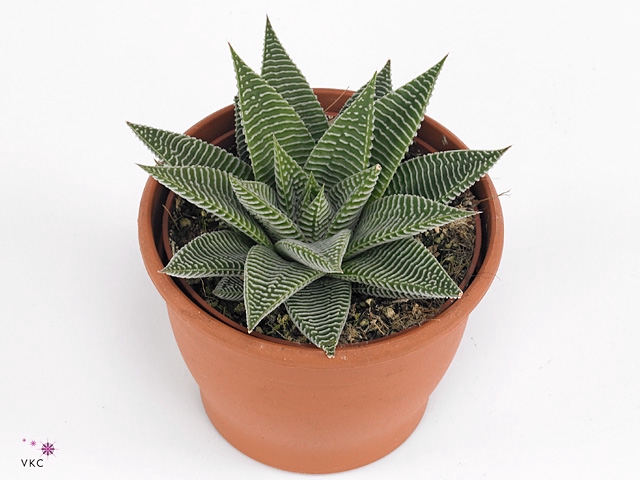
column 397, row 118
column 405, row 268
column 178, row 150
column 345, row 148
column 314, row 219
column 282, row 74
column 269, row 280
column 311, row 191
column 291, row 181
column 266, row 114
column 442, row 176
column 241, row 143
column 320, row 311
column 349, row 197
column 210, row 189
column 230, row 288
column 383, row 86
column 214, row 254
column 399, row 216
column 324, row 255
column 260, row 200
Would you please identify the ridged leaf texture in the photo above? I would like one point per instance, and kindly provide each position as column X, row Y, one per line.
column 324, row 255
column 399, row 216
column 291, row 181
column 315, row 217
column 210, row 189
column 397, row 118
column 383, row 86
column 213, row 254
column 442, row 176
column 405, row 268
column 241, row 142
column 265, row 114
column 230, row 288
column 320, row 311
column 178, row 150
column 282, row 74
column 269, row 280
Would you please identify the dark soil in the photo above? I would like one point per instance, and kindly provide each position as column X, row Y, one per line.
column 370, row 317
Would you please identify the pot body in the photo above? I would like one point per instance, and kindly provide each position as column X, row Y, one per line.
column 288, row 405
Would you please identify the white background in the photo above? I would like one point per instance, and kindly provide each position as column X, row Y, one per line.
column 545, row 384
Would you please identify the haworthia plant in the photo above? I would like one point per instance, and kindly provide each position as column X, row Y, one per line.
column 317, row 209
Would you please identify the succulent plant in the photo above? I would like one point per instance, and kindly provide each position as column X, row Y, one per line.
column 317, row 208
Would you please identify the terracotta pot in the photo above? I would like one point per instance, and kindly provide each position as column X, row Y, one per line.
column 288, row 405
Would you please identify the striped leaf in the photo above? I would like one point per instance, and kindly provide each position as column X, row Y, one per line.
column 214, row 254
column 323, row 255
column 241, row 143
column 349, row 197
column 314, row 219
column 442, row 176
column 282, row 74
column 178, row 150
column 260, row 200
column 345, row 149
column 320, row 311
column 405, row 268
column 209, row 189
column 383, row 86
column 397, row 118
column 266, row 114
column 269, row 280
column 230, row 288
column 399, row 216
column 291, row 181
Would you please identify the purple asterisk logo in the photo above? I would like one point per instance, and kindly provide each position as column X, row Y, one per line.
column 48, row 449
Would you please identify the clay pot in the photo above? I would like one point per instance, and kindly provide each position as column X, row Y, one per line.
column 288, row 405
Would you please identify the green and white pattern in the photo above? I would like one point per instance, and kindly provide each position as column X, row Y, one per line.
column 316, row 210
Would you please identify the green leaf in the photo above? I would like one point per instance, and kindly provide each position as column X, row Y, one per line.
column 210, row 189
column 230, row 288
column 178, row 150
column 266, row 114
column 349, row 197
column 213, row 254
column 291, row 181
column 345, row 149
column 324, row 255
column 383, row 86
column 397, row 118
column 399, row 216
column 282, row 74
column 402, row 269
column 241, row 143
column 269, row 280
column 260, row 200
column 320, row 311
column 314, row 219
column 442, row 176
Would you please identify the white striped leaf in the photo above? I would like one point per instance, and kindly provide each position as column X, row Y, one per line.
column 324, row 255
column 266, row 114
column 269, row 280
column 442, row 176
column 404, row 269
column 383, row 86
column 260, row 200
column 350, row 196
column 320, row 311
column 230, row 288
column 241, row 143
column 291, row 181
column 314, row 219
column 178, row 150
column 209, row 189
column 397, row 118
column 345, row 148
column 282, row 74
column 399, row 216
column 214, row 254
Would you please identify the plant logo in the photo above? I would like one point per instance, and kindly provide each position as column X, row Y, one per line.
column 46, row 449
